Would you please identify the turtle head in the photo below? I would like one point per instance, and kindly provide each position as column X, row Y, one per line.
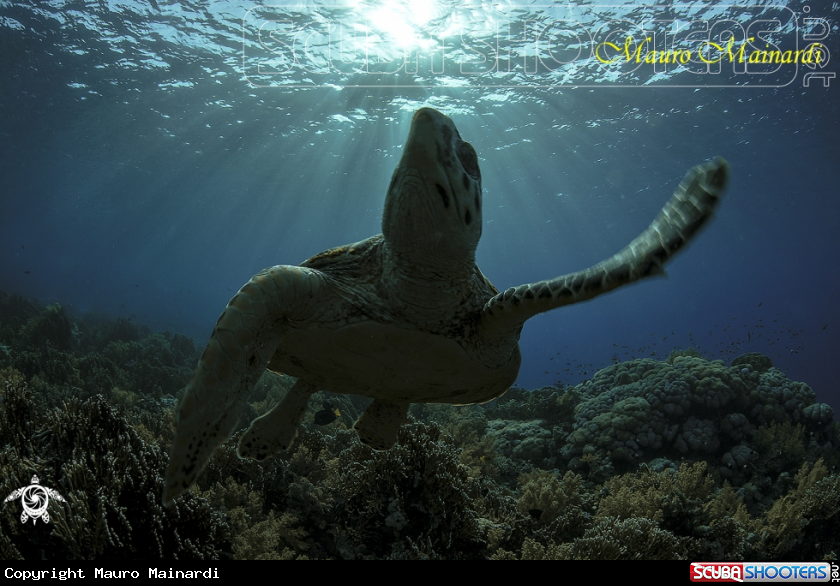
column 432, row 211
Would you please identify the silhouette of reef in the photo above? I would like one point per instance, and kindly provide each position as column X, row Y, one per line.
column 685, row 458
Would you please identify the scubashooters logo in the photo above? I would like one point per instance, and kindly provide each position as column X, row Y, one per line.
column 798, row 572
column 35, row 499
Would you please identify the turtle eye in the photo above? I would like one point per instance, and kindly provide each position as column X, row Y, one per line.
column 469, row 160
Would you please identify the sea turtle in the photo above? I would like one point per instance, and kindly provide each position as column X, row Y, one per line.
column 403, row 317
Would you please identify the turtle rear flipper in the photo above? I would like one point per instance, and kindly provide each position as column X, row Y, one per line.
column 689, row 208
column 379, row 424
column 243, row 341
column 276, row 430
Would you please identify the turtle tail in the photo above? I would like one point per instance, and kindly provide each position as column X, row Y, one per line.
column 686, row 212
column 243, row 341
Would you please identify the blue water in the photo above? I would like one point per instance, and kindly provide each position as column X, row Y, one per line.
column 150, row 167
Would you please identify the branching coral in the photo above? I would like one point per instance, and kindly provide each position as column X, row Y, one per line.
column 256, row 535
column 111, row 481
column 547, row 403
column 271, row 539
column 545, row 496
column 780, row 445
column 801, row 519
column 416, row 488
column 609, row 539
column 671, row 497
column 51, row 327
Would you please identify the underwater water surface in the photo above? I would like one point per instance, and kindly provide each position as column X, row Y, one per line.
column 156, row 154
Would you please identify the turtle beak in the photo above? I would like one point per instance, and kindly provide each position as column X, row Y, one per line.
column 429, row 113
column 423, row 138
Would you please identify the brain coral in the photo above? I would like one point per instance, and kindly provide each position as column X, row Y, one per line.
column 524, row 440
column 635, row 411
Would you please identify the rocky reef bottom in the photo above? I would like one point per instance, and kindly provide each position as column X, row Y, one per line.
column 685, row 458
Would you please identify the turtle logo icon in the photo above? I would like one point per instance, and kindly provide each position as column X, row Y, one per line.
column 35, row 499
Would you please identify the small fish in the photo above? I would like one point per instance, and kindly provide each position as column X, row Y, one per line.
column 129, row 363
column 26, row 272
column 326, row 415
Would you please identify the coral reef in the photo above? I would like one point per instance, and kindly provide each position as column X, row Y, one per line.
column 685, row 458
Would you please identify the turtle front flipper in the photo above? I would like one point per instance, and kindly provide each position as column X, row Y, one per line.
column 379, row 424
column 243, row 341
column 276, row 430
column 688, row 209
